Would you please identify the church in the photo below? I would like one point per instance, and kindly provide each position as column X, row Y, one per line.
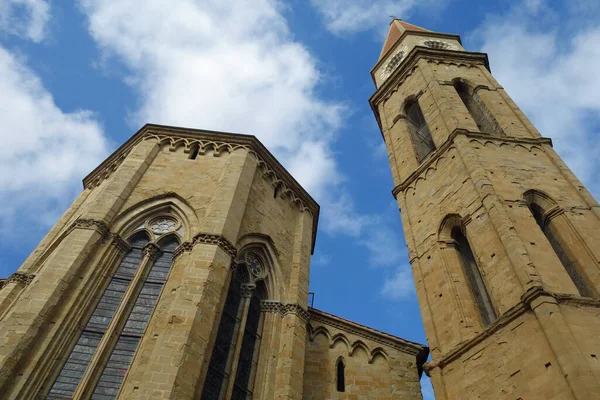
column 181, row 270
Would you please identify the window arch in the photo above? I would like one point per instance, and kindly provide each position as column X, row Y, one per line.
column 111, row 335
column 420, row 134
column 234, row 358
column 481, row 116
column 536, row 202
column 451, row 232
column 340, row 375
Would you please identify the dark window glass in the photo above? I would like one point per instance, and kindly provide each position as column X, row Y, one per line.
column 246, row 363
column 341, row 384
column 120, row 359
column 72, row 371
column 223, row 343
column 420, row 131
column 565, row 259
column 482, row 299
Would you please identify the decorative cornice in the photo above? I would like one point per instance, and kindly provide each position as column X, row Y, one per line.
column 438, row 153
column 368, row 333
column 91, row 224
column 175, row 137
column 525, row 305
column 19, row 278
column 152, row 251
column 270, row 306
column 207, row 238
column 295, row 309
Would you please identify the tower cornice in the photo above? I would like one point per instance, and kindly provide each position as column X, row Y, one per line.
column 407, row 67
column 439, row 152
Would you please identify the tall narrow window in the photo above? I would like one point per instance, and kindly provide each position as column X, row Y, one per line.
column 482, row 117
column 72, row 371
column 421, row 136
column 234, row 358
column 482, row 299
column 340, row 378
column 122, row 313
column 567, row 262
column 218, row 368
column 122, row 354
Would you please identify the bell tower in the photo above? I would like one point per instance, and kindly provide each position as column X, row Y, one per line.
column 503, row 239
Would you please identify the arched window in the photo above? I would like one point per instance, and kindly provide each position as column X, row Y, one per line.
column 419, row 130
column 340, row 375
column 567, row 262
column 482, row 299
column 483, row 119
column 237, row 345
column 137, row 282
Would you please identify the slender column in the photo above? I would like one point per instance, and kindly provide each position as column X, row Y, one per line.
column 229, row 381
column 267, row 360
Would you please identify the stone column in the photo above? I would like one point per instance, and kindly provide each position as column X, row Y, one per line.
column 289, row 379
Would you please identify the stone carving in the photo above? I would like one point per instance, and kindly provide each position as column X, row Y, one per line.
column 152, row 251
column 248, row 290
column 20, row 278
column 207, row 238
column 120, row 244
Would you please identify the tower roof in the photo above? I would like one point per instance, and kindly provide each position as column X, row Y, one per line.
column 397, row 28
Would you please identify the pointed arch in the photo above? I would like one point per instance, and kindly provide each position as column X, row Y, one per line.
column 545, row 211
column 340, row 374
column 452, row 232
column 476, row 107
column 320, row 330
column 378, row 351
column 359, row 344
column 340, row 337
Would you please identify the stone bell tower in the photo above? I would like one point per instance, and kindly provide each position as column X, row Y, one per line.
column 503, row 239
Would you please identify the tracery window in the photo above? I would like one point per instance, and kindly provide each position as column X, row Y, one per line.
column 421, row 136
column 234, row 357
column 476, row 283
column 127, row 302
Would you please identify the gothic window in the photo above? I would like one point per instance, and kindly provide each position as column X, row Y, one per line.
column 480, row 114
column 234, row 357
column 419, row 130
column 127, row 286
column 482, row 299
column 567, row 262
column 340, row 378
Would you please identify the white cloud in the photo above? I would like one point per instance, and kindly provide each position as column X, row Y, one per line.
column 231, row 66
column 25, row 18
column 550, row 70
column 351, row 16
column 44, row 151
column 400, row 284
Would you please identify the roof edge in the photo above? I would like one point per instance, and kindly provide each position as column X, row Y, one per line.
column 235, row 138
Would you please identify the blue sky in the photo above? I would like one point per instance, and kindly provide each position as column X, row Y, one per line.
column 77, row 79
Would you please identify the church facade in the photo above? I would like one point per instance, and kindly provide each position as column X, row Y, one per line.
column 181, row 271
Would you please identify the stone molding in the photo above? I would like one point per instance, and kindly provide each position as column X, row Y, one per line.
column 19, row 278
column 120, row 243
column 437, row 154
column 369, row 333
column 92, row 224
column 270, row 306
column 524, row 306
column 152, row 251
column 207, row 238
column 218, row 142
column 248, row 290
